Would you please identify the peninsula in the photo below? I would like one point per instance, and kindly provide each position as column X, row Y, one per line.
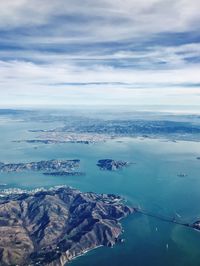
column 51, row 227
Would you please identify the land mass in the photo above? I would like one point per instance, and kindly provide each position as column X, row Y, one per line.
column 52, row 137
column 64, row 173
column 51, row 227
column 92, row 127
column 80, row 129
column 50, row 165
column 111, row 165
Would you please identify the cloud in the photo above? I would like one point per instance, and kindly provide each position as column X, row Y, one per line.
column 107, row 50
column 15, row 73
column 89, row 20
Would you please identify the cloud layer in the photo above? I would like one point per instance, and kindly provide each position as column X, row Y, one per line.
column 85, row 51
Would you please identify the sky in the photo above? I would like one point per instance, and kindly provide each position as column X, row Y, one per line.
column 99, row 52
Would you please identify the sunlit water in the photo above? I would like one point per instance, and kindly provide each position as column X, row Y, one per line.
column 151, row 183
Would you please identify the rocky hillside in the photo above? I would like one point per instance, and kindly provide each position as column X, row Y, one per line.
column 51, row 227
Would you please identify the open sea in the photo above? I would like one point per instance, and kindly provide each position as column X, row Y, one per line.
column 152, row 183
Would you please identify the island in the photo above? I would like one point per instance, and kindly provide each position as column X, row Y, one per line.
column 53, row 226
column 64, row 173
column 50, row 165
column 52, row 141
column 182, row 175
column 112, row 165
column 196, row 225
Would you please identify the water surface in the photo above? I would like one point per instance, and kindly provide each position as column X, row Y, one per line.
column 151, row 183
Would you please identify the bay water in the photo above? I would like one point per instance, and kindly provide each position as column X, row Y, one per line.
column 151, row 182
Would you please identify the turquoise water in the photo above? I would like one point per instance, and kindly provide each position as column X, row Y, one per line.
column 151, row 183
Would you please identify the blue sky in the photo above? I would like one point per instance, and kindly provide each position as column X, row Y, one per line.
column 63, row 52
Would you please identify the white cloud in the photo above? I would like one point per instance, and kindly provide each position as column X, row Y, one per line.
column 32, row 23
column 102, row 20
column 31, row 73
column 45, row 83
